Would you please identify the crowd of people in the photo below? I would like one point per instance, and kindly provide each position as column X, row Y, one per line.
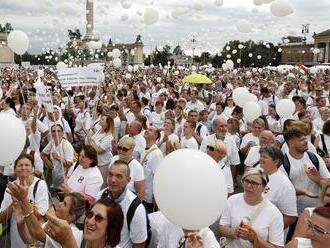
column 85, row 176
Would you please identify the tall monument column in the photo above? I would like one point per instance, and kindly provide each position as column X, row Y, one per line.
column 89, row 19
column 326, row 55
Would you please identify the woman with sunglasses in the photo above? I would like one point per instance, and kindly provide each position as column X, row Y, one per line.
column 249, row 219
column 279, row 190
column 36, row 193
column 317, row 230
column 229, row 106
column 84, row 177
column 102, row 227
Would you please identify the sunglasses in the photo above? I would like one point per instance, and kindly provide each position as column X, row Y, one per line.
column 58, row 131
column 123, row 149
column 98, row 217
column 210, row 148
column 252, row 183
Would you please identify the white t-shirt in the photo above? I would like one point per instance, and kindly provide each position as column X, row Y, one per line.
column 247, row 138
column 157, row 119
column 253, row 157
column 228, row 176
column 40, row 201
column 232, row 157
column 77, row 234
column 167, row 235
column 172, row 138
column 189, row 143
column 268, row 224
column 35, row 138
column 65, row 150
column 140, row 146
column 117, row 123
column 136, row 172
column 318, row 124
column 88, row 181
column 327, row 143
column 150, row 161
column 82, row 118
column 281, row 193
column 197, row 106
column 103, row 140
column 300, row 180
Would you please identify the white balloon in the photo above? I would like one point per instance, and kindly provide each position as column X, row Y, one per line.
column 241, row 96
column 12, row 138
column 228, row 56
column 151, row 16
column 240, row 46
column 248, row 74
column 250, row 55
column 117, row 62
column 1, row 93
column 244, row 26
column 135, row 68
column 224, row 67
column 115, row 53
column 230, row 64
column 218, row 3
column 251, row 111
column 254, row 70
column 176, row 73
column 197, row 6
column 285, row 108
column 228, row 48
column 238, row 60
column 185, row 211
column 316, row 51
column 18, row 41
column 126, row 4
column 124, row 17
column 132, row 52
column 193, row 68
column 158, row 79
column 279, row 50
column 259, row 57
column 281, row 8
column 61, row 65
column 109, row 54
column 234, row 51
column 258, row 2
column 128, row 76
column 130, row 68
column 267, row 1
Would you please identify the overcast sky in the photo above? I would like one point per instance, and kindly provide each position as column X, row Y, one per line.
column 46, row 21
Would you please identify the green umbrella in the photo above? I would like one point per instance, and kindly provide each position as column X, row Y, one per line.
column 197, row 79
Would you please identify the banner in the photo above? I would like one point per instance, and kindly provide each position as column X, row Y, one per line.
column 85, row 76
column 44, row 97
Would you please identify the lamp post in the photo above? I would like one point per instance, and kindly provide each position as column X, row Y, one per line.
column 304, row 31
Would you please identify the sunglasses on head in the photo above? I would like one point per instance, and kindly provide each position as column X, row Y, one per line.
column 98, row 217
column 121, row 148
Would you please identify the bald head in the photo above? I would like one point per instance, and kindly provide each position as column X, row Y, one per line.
column 220, row 127
column 266, row 138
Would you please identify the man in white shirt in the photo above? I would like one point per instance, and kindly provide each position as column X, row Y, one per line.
column 135, row 234
column 305, row 169
column 150, row 161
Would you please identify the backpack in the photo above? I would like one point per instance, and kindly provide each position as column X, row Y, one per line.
column 130, row 213
column 198, row 129
column 324, row 151
column 312, row 157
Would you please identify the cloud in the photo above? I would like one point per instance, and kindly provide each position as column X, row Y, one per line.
column 47, row 21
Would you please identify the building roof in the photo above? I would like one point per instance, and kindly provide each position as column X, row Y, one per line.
column 324, row 33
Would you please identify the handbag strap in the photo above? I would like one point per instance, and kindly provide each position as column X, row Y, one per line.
column 257, row 212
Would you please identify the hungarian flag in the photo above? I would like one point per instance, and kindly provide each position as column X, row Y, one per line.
column 292, row 77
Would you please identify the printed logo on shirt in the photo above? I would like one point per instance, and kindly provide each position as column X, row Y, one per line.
column 81, row 179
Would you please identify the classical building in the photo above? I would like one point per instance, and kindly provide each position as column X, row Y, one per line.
column 6, row 55
column 322, row 41
column 180, row 58
column 297, row 53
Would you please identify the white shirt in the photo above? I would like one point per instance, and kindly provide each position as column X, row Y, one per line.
column 189, row 143
column 103, row 140
column 136, row 172
column 281, row 193
column 140, row 146
column 88, row 181
column 157, row 119
column 9, row 111
column 35, row 138
column 318, row 124
column 65, row 150
column 197, row 106
column 268, row 224
column 167, row 235
column 172, row 138
column 228, row 176
column 232, row 157
column 327, row 143
column 77, row 234
column 151, row 159
column 247, row 138
column 40, row 201
column 300, row 179
column 253, row 157
column 82, row 118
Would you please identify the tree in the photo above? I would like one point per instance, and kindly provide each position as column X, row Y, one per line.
column 178, row 50
column 162, row 57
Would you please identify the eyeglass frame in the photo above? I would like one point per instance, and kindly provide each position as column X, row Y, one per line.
column 315, row 228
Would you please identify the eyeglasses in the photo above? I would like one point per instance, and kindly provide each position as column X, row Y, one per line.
column 58, row 131
column 123, row 149
column 252, row 183
column 98, row 217
column 315, row 228
column 210, row 148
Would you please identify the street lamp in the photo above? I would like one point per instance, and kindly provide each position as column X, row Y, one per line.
column 193, row 41
column 304, row 31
